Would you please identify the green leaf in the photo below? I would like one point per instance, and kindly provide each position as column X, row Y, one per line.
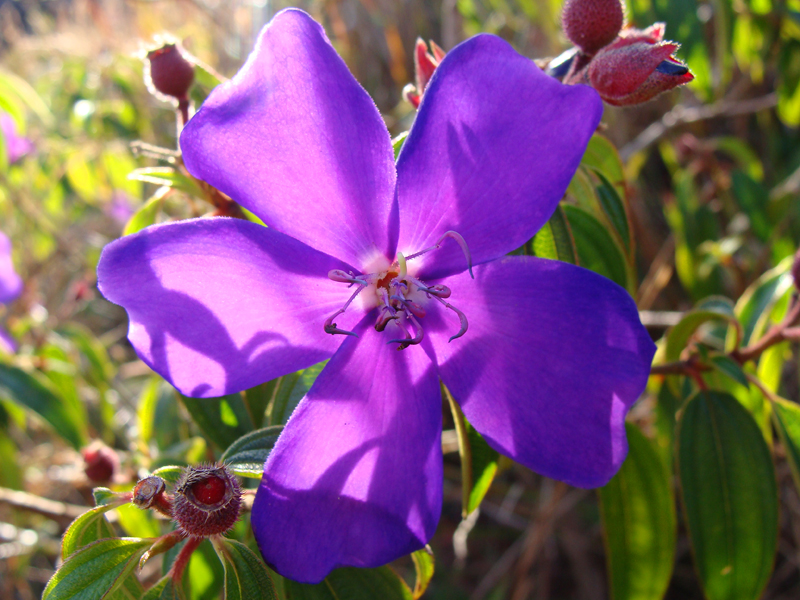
column 17, row 386
column 554, row 239
column 170, row 473
column 614, row 209
column 148, row 401
column 97, row 570
column 246, row 456
column 165, row 589
column 639, row 523
column 101, row 370
column 484, row 462
column 397, row 143
column 223, row 420
column 257, row 399
column 89, row 527
column 423, row 565
column 103, row 497
column 786, row 416
column 169, row 177
column 246, row 575
column 147, row 213
column 602, row 156
column 351, row 583
column 729, row 496
column 727, row 366
column 678, row 336
column 290, row 389
column 597, row 249
column 755, row 304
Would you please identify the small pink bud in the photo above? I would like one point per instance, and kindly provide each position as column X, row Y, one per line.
column 207, row 501
column 101, row 462
column 635, row 68
column 592, row 24
column 168, row 72
column 425, row 64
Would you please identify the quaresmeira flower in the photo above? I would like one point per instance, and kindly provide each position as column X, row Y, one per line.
column 10, row 288
column 16, row 145
column 362, row 257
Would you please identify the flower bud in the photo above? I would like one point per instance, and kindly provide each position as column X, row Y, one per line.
column 100, row 462
column 168, row 73
column 635, row 68
column 425, row 64
column 207, row 501
column 592, row 24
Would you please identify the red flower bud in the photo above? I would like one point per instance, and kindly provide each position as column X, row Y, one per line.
column 149, row 493
column 168, row 73
column 101, row 462
column 592, row 24
column 635, row 68
column 425, row 64
column 207, row 501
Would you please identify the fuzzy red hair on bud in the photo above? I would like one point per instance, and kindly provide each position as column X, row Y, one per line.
column 168, row 72
column 592, row 24
column 207, row 501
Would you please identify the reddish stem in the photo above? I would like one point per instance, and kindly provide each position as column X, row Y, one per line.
column 182, row 560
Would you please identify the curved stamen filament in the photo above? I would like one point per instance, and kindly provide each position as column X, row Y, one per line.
column 409, row 341
column 461, row 317
column 341, row 277
column 461, row 242
column 330, row 326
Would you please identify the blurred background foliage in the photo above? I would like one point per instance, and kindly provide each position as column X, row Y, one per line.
column 708, row 180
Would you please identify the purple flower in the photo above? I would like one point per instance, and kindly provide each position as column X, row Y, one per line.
column 17, row 145
column 10, row 288
column 545, row 358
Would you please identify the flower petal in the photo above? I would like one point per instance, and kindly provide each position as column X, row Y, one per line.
column 220, row 305
column 554, row 357
column 492, row 150
column 10, row 282
column 296, row 140
column 356, row 476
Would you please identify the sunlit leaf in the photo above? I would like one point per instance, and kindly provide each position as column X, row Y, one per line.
column 247, row 455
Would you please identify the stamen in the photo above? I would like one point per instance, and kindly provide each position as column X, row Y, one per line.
column 409, row 341
column 442, row 291
column 461, row 317
column 330, row 326
column 414, row 308
column 461, row 242
column 341, row 277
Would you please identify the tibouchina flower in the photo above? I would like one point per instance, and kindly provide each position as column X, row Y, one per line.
column 10, row 288
column 16, row 145
column 362, row 258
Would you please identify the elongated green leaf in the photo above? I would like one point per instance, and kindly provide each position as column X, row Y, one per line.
column 729, row 496
column 639, row 522
column 397, row 143
column 246, row 456
column 89, row 527
column 484, row 463
column 97, row 570
column 755, row 304
column 614, row 209
column 597, row 249
column 602, row 156
column 423, row 566
column 147, row 214
column 167, row 176
column 16, row 385
column 786, row 416
column 257, row 400
column 148, row 401
column 290, row 390
column 223, row 420
column 678, row 336
column 165, row 589
column 352, row 584
column 170, row 473
column 246, row 575
column 726, row 365
column 554, row 239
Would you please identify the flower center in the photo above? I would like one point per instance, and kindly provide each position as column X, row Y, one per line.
column 400, row 296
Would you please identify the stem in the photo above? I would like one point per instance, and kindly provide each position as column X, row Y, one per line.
column 179, row 566
column 464, row 450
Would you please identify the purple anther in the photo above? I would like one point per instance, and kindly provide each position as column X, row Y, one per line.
column 384, row 320
column 330, row 326
column 341, row 277
column 409, row 341
column 461, row 242
column 461, row 317
column 414, row 308
column 405, row 341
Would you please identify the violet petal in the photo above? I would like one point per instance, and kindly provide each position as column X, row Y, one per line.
column 10, row 282
column 493, row 148
column 295, row 139
column 220, row 305
column 554, row 357
column 356, row 477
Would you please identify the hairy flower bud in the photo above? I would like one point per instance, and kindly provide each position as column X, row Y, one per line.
column 100, row 462
column 425, row 64
column 207, row 501
column 149, row 493
column 635, row 68
column 168, row 73
column 592, row 24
